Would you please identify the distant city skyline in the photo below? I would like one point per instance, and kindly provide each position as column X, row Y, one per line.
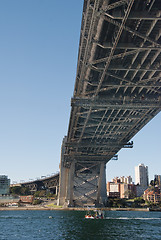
column 39, row 50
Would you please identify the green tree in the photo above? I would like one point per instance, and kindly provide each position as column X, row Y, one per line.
column 41, row 193
column 152, row 182
column 50, row 195
column 37, row 201
column 18, row 190
column 15, row 190
column 139, row 200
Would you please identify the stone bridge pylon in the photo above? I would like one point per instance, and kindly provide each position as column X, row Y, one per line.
column 82, row 183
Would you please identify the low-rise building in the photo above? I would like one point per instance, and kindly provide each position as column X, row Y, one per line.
column 127, row 190
column 27, row 199
column 153, row 196
column 121, row 190
column 113, row 189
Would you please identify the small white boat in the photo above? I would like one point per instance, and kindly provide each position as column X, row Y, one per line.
column 88, row 216
column 96, row 214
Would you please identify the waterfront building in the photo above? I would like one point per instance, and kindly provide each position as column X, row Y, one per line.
column 153, row 196
column 121, row 190
column 27, row 199
column 127, row 190
column 113, row 189
column 4, row 185
column 141, row 175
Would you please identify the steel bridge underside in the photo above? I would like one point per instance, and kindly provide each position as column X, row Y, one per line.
column 49, row 183
column 117, row 89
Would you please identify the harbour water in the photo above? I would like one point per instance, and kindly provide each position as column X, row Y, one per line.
column 57, row 225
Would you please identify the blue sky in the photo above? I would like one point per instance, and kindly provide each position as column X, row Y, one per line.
column 38, row 58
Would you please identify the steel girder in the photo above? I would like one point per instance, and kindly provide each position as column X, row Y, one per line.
column 43, row 184
column 118, row 81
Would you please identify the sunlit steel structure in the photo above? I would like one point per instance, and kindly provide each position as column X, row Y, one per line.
column 46, row 183
column 117, row 91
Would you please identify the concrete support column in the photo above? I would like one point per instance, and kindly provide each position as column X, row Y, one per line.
column 56, row 191
column 63, row 177
column 70, row 185
column 102, row 191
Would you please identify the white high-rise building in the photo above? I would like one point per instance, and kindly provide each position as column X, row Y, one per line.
column 141, row 175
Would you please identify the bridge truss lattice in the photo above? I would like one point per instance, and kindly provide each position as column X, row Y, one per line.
column 118, row 84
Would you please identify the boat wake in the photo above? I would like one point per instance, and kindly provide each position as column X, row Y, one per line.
column 132, row 218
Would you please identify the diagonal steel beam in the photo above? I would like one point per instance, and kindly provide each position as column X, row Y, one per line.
column 115, row 5
column 122, row 68
column 118, row 55
column 136, row 33
column 125, row 46
column 136, row 16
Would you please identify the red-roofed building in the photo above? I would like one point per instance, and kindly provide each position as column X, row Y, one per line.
column 153, row 196
column 27, row 199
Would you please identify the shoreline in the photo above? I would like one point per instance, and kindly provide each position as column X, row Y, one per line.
column 69, row 209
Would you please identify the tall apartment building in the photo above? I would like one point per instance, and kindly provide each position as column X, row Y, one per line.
column 4, row 185
column 141, row 175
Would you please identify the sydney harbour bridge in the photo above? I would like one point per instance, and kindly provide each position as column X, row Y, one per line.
column 117, row 92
